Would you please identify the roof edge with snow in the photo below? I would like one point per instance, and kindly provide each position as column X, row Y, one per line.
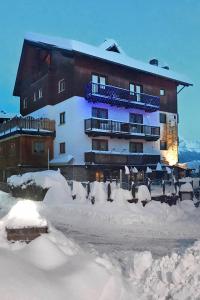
column 102, row 52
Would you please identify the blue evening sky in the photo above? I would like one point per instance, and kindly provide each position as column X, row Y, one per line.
column 168, row 30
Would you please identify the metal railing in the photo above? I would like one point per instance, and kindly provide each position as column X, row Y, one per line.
column 27, row 123
column 116, row 127
column 119, row 96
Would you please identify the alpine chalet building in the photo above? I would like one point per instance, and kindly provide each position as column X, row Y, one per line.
column 110, row 110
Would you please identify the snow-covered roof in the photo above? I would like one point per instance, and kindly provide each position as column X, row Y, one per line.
column 102, row 52
column 62, row 160
column 5, row 115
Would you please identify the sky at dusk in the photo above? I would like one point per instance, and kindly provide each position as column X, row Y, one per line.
column 168, row 30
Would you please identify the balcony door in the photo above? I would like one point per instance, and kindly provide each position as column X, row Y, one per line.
column 135, row 90
column 98, row 83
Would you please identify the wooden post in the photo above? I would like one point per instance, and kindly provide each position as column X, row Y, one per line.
column 120, row 177
column 48, row 158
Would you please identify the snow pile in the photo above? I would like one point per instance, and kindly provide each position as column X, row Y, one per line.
column 79, row 192
column 143, row 193
column 43, row 269
column 45, row 179
column 36, row 253
column 120, row 196
column 186, row 187
column 98, row 191
column 24, row 214
column 58, row 195
column 170, row 277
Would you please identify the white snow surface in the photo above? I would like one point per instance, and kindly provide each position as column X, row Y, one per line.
column 45, row 179
column 143, row 193
column 106, row 251
column 24, row 214
column 186, row 187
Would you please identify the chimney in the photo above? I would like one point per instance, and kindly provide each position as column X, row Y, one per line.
column 154, row 62
column 166, row 67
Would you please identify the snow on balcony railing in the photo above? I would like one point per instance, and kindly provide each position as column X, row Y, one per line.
column 109, row 94
column 27, row 123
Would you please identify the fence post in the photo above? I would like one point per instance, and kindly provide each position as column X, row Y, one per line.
column 120, row 178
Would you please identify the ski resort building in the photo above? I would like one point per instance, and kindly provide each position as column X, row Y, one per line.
column 110, row 110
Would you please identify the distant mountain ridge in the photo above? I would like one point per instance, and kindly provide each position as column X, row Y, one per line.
column 189, row 152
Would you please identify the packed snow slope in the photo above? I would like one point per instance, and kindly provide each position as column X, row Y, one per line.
column 106, row 251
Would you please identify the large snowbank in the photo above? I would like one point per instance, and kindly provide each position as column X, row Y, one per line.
column 170, row 277
column 45, row 179
column 53, row 266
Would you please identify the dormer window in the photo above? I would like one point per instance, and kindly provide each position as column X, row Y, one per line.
column 61, row 85
column 113, row 49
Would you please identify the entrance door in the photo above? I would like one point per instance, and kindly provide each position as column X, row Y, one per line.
column 99, row 176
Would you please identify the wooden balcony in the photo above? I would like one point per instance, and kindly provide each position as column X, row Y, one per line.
column 27, row 125
column 104, row 127
column 130, row 159
column 113, row 95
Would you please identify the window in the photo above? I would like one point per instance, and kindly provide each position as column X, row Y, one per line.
column 136, row 89
column 163, row 145
column 162, row 92
column 61, row 85
column 34, row 97
column 25, row 103
column 62, row 148
column 98, row 83
column 163, row 118
column 40, row 93
column 135, row 147
column 99, row 113
column 136, row 118
column 62, row 118
column 38, row 147
column 101, row 145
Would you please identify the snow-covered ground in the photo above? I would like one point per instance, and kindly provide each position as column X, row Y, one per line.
column 109, row 250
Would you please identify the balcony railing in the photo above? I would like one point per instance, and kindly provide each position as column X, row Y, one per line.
column 112, row 95
column 135, row 159
column 104, row 127
column 27, row 124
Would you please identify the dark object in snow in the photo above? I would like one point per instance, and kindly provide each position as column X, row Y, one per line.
column 163, row 187
column 144, row 203
column 186, row 195
column 28, row 191
column 92, row 199
column 73, row 197
column 197, row 204
column 134, row 200
column 133, row 190
column 109, row 192
column 88, row 189
column 26, row 234
column 4, row 187
column 170, row 200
